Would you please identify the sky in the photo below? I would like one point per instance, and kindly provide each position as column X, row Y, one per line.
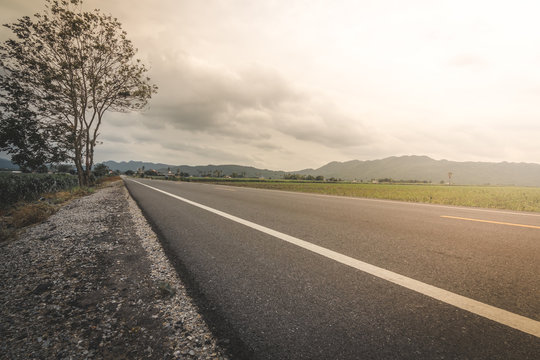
column 294, row 84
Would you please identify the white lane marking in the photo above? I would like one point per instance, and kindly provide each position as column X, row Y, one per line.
column 519, row 322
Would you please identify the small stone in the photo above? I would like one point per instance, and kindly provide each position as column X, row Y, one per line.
column 41, row 288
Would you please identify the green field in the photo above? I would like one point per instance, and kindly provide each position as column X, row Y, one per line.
column 496, row 197
column 29, row 187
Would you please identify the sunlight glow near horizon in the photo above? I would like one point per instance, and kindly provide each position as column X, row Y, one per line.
column 296, row 84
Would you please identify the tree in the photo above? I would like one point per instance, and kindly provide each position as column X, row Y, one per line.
column 63, row 168
column 21, row 135
column 69, row 67
column 101, row 170
column 151, row 172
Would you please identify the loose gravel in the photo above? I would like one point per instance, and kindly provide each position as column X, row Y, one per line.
column 92, row 282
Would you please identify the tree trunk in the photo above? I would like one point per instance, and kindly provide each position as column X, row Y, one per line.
column 79, row 167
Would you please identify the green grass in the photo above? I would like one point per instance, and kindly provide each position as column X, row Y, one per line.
column 28, row 187
column 496, row 197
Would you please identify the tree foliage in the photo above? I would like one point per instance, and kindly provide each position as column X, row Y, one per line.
column 303, row 177
column 151, row 172
column 65, row 69
column 21, row 134
column 101, row 170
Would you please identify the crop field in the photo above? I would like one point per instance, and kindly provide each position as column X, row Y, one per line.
column 496, row 197
column 29, row 187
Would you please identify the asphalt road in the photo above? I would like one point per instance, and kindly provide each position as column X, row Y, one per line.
column 277, row 300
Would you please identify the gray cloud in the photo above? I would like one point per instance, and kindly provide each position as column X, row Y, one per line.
column 249, row 104
column 207, row 152
column 114, row 139
column 269, row 146
column 287, row 86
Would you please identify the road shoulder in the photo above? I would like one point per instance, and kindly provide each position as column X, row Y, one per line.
column 93, row 282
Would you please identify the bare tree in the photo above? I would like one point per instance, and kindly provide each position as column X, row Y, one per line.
column 73, row 66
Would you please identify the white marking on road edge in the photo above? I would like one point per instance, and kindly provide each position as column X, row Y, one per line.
column 501, row 316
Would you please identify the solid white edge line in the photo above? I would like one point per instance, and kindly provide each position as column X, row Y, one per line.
column 519, row 322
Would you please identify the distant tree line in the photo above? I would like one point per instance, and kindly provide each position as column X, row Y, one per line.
column 303, row 177
column 392, row 181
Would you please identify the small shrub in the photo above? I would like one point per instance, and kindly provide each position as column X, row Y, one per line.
column 31, row 214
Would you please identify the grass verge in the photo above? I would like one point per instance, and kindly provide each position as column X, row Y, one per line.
column 24, row 213
column 495, row 197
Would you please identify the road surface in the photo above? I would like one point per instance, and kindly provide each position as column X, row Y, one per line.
column 303, row 276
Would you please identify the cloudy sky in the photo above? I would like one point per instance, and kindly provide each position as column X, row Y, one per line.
column 291, row 84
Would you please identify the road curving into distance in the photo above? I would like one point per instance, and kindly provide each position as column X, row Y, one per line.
column 303, row 276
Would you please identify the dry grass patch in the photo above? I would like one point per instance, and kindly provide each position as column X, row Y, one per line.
column 24, row 214
column 61, row 197
column 104, row 181
column 31, row 214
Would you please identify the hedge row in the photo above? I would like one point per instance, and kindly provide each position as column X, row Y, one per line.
column 29, row 187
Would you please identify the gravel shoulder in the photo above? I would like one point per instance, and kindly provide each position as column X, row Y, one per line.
column 93, row 282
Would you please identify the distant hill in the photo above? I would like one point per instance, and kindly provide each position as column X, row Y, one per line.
column 420, row 168
column 134, row 165
column 7, row 164
column 246, row 171
column 425, row 168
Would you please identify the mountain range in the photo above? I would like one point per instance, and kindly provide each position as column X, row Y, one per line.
column 421, row 168
column 8, row 165
column 246, row 171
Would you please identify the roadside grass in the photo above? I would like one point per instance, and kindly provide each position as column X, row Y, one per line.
column 495, row 197
column 30, row 214
column 26, row 213
column 16, row 187
column 105, row 181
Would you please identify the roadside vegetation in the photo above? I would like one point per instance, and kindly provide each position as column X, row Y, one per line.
column 495, row 197
column 29, row 187
column 27, row 199
column 61, row 72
